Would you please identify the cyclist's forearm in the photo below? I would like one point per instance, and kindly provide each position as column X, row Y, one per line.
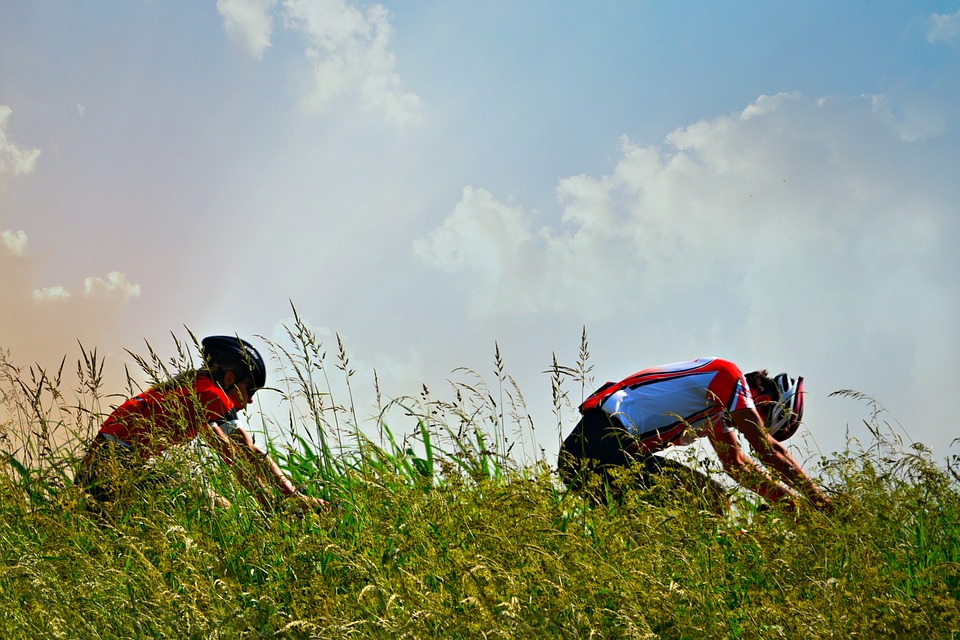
column 793, row 474
column 752, row 477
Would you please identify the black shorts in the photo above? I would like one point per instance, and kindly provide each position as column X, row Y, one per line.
column 101, row 469
column 599, row 437
column 599, row 445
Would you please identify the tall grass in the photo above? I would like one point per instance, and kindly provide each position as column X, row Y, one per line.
column 456, row 527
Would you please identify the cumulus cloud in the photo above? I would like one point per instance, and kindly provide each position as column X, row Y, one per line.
column 42, row 323
column 348, row 51
column 771, row 193
column 943, row 28
column 116, row 284
column 249, row 22
column 14, row 241
column 56, row 293
column 503, row 236
column 14, row 160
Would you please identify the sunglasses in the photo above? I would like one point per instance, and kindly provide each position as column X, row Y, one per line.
column 248, row 387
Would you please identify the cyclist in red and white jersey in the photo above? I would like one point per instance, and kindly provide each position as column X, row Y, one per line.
column 194, row 403
column 630, row 421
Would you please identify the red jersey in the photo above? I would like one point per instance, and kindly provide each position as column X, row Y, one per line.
column 155, row 419
column 674, row 403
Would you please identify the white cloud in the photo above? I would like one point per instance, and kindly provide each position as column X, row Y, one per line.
column 115, row 284
column 51, row 294
column 943, row 28
column 14, row 160
column 349, row 51
column 483, row 238
column 249, row 22
column 14, row 241
column 781, row 183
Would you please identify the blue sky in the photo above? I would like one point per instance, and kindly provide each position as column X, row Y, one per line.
column 769, row 182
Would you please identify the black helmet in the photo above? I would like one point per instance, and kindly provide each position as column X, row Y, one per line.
column 234, row 354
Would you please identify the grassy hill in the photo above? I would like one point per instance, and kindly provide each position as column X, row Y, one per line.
column 442, row 534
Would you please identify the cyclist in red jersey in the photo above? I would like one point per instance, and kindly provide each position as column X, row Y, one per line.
column 203, row 403
column 627, row 423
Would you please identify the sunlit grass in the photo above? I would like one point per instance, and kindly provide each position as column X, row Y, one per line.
column 456, row 527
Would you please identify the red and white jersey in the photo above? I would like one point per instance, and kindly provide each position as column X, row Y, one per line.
column 676, row 403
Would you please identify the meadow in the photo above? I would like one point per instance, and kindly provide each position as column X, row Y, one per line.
column 458, row 528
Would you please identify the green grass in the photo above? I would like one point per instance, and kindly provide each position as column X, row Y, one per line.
column 448, row 532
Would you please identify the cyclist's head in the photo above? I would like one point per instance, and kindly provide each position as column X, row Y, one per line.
column 781, row 398
column 230, row 353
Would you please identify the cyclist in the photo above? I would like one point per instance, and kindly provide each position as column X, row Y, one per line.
column 630, row 422
column 196, row 402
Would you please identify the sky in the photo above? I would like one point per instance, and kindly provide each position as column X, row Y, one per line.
column 431, row 182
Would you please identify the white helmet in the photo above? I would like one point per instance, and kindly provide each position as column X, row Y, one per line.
column 787, row 411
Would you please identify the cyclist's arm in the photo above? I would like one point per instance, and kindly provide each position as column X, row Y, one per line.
column 743, row 470
column 219, row 436
column 252, row 466
column 215, row 435
column 268, row 472
column 775, row 456
column 261, row 462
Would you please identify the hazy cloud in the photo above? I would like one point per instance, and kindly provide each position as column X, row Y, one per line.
column 116, row 284
column 249, row 22
column 14, row 160
column 42, row 323
column 769, row 193
column 943, row 28
column 348, row 50
column 56, row 293
column 485, row 240
column 14, row 241
column 350, row 55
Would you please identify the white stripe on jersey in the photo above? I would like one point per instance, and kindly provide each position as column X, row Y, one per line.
column 673, row 402
column 653, row 407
